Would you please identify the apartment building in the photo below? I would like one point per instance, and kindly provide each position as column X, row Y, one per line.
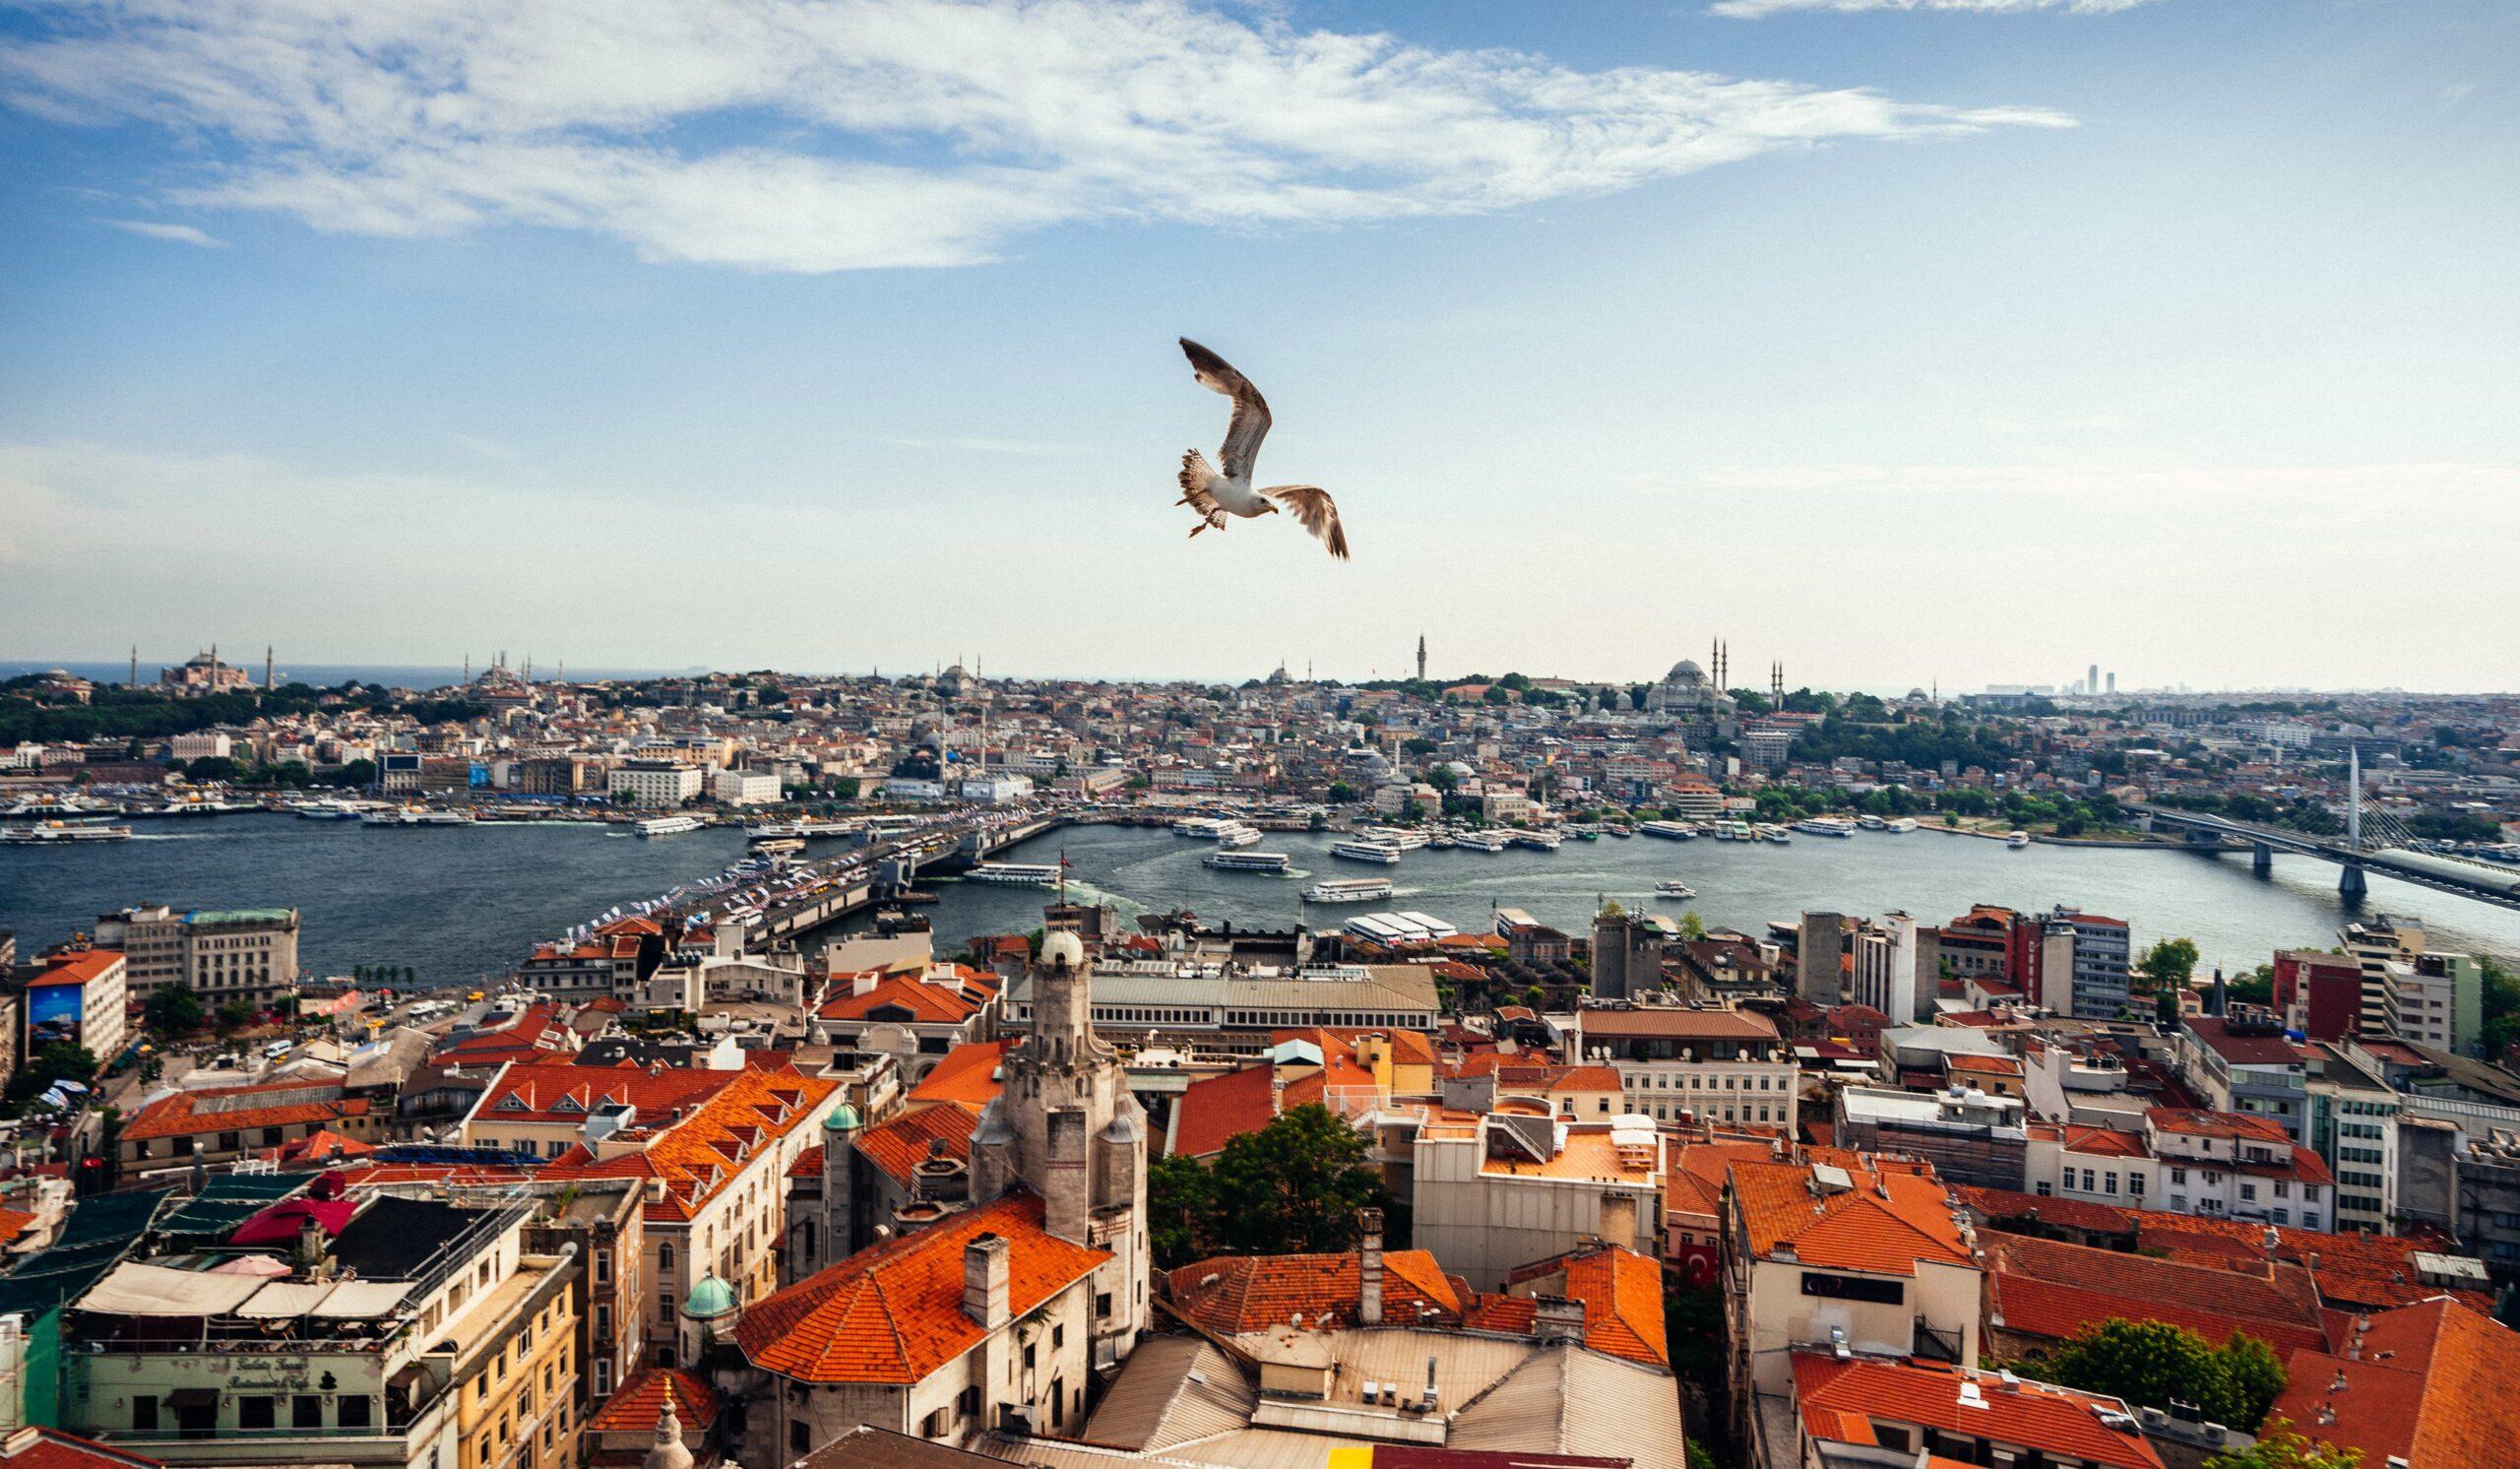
column 1491, row 1192
column 80, row 997
column 219, row 1127
column 402, row 1333
column 2223, row 1165
column 222, row 955
column 2071, row 962
column 1703, row 1064
column 656, row 783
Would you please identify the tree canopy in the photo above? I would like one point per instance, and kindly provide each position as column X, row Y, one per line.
column 2279, row 1448
column 2151, row 1363
column 1292, row 1188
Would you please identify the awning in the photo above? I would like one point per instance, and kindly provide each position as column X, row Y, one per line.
column 263, row 1267
column 280, row 1224
column 285, row 1300
column 193, row 1397
column 364, row 1299
column 132, row 1290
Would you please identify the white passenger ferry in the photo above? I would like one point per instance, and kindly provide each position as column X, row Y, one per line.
column 1247, row 862
column 1826, row 826
column 667, row 826
column 1669, row 831
column 1672, row 887
column 1349, row 891
column 1019, row 874
column 46, row 832
column 1359, row 849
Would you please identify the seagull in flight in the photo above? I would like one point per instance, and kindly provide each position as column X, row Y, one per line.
column 1216, row 495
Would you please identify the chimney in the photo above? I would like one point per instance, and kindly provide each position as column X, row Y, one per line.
column 986, row 1284
column 862, row 984
column 1370, row 1268
column 1618, row 1217
column 1557, row 1319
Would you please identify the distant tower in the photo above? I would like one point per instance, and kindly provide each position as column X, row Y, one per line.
column 2112, row 681
column 1421, row 658
column 135, row 666
column 1775, row 680
column 268, row 685
column 2091, row 680
column 1066, row 1127
column 1723, row 667
column 468, row 668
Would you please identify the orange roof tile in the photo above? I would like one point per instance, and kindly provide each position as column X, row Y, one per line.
column 900, row 1145
column 1214, row 1109
column 555, row 1089
column 702, row 1153
column 635, row 1404
column 179, row 1116
column 1622, row 1296
column 1855, row 1229
column 2044, row 1288
column 1234, row 1294
column 893, row 1313
column 967, row 1077
column 923, row 1002
column 77, row 969
column 1840, row 1399
column 2429, row 1382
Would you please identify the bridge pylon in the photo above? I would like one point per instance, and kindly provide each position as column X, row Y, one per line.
column 2261, row 859
column 2350, row 885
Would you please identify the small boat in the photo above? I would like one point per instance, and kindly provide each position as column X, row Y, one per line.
column 44, row 833
column 2017, row 839
column 667, row 826
column 1669, row 831
column 1900, row 825
column 1672, row 887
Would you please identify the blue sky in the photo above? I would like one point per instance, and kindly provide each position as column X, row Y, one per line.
column 1965, row 342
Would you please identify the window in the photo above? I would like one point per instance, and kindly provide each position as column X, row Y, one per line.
column 604, row 1267
column 259, row 1411
column 1058, row 1336
column 1030, row 1348
column 144, row 1415
column 355, row 1412
column 307, row 1411
column 969, row 1403
column 665, row 1257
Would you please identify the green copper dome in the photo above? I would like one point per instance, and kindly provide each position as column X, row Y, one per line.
column 842, row 1118
column 710, row 1299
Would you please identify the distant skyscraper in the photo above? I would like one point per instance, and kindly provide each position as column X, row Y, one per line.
column 2112, row 683
column 2091, row 684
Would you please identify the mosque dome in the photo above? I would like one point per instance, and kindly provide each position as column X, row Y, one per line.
column 1685, row 671
column 710, row 1299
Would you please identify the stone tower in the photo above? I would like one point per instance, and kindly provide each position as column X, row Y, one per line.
column 1065, row 1126
column 841, row 1226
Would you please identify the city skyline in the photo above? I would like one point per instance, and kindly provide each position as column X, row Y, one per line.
column 1905, row 343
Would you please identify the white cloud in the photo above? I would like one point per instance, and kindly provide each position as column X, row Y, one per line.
column 801, row 136
column 182, row 235
column 1752, row 10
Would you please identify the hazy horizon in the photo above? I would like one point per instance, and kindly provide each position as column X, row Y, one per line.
column 1967, row 342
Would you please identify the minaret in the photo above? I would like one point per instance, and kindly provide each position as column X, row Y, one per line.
column 1776, row 682
column 135, row 666
column 1421, row 658
column 268, row 685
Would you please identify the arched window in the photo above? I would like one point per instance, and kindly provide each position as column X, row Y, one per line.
column 665, row 1256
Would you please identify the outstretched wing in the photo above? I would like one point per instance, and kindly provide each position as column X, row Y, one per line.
column 1250, row 423
column 1312, row 505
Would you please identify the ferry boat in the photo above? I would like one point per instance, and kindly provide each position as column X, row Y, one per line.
column 667, row 826
column 1900, row 825
column 779, row 846
column 1357, row 849
column 1247, row 862
column 1870, row 822
column 1769, row 831
column 44, row 832
column 1237, row 834
column 196, row 804
column 1489, row 842
column 1022, row 874
column 1537, row 841
column 1349, row 891
column 417, row 816
column 1620, row 831
column 775, row 831
column 329, row 808
column 1672, row 887
column 1826, row 826
column 1202, row 827
column 1669, row 831
column 1398, row 838
column 2017, row 839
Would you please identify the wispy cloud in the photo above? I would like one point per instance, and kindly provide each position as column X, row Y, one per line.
column 994, row 446
column 182, row 235
column 1750, row 10
column 798, row 136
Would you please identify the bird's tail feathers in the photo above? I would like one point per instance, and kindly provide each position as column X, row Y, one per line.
column 1195, row 477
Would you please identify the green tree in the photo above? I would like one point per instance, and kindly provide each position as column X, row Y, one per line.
column 1692, row 926
column 2151, row 1362
column 214, row 768
column 2169, row 963
column 1294, row 1185
column 1180, row 1204
column 2502, row 1004
column 234, row 1015
column 173, row 1012
column 2279, row 1448
column 845, row 788
column 58, row 1061
column 1340, row 792
column 356, row 774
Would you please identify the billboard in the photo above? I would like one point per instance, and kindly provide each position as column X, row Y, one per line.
column 53, row 1013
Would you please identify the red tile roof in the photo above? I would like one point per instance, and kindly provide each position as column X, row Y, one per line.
column 925, row 1003
column 1214, row 1109
column 967, row 1077
column 51, row 1448
column 1854, row 1229
column 635, row 1404
column 2047, row 1288
column 1622, row 1296
column 77, row 969
column 893, row 1313
column 2430, row 1382
column 1234, row 1294
column 553, row 1089
column 1839, row 1400
column 182, row 1114
column 702, row 1153
column 900, row 1145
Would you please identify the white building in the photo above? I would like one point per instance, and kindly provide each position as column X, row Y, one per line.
column 1707, row 1064
column 656, row 783
column 1515, row 1186
column 2221, row 1165
column 1888, row 970
column 205, row 745
column 745, row 787
column 998, row 789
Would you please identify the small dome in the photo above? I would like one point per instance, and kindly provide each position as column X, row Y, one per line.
column 708, row 1300
column 1063, row 947
column 842, row 1118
